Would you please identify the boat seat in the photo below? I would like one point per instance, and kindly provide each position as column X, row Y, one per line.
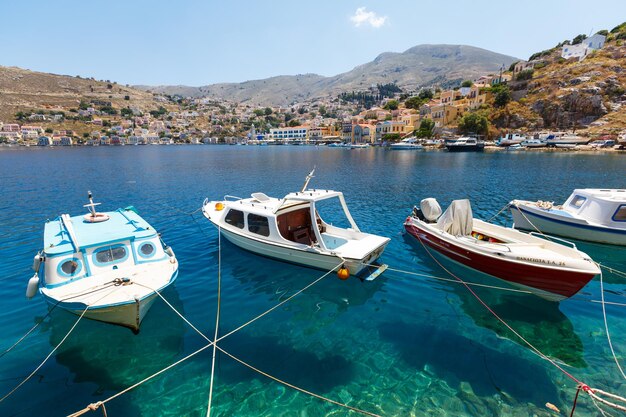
column 302, row 235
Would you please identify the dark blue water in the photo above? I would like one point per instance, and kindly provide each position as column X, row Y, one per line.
column 401, row 345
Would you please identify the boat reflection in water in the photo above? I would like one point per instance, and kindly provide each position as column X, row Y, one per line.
column 539, row 321
column 111, row 359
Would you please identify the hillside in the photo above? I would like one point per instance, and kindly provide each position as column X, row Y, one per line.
column 571, row 94
column 421, row 65
column 22, row 89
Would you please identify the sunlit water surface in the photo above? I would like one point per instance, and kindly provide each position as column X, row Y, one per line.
column 401, row 345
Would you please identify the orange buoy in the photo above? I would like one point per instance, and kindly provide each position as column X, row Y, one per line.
column 219, row 206
column 343, row 273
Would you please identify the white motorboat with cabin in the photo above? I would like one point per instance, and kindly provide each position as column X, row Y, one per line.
column 546, row 268
column 596, row 215
column 292, row 229
column 105, row 265
column 406, row 144
column 465, row 144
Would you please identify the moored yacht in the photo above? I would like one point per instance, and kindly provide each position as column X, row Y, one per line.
column 292, row 229
column 465, row 144
column 406, row 144
column 510, row 139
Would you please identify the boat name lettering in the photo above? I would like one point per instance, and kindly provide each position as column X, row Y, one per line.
column 541, row 261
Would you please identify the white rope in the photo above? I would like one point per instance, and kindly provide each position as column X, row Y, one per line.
column 476, row 284
column 95, row 406
column 21, row 339
column 56, row 347
column 606, row 326
column 217, row 315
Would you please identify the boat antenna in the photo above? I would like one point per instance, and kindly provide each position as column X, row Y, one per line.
column 91, row 205
column 307, row 179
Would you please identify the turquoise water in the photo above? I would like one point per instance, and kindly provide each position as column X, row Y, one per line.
column 401, row 345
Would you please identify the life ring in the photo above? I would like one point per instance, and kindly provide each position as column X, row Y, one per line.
column 96, row 217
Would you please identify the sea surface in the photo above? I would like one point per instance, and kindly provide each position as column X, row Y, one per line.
column 402, row 345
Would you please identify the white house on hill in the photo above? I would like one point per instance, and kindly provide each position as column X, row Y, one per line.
column 582, row 49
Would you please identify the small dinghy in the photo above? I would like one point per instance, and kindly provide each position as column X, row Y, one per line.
column 105, row 265
column 590, row 214
column 549, row 269
column 291, row 229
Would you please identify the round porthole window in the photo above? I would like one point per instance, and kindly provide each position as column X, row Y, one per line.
column 70, row 267
column 147, row 250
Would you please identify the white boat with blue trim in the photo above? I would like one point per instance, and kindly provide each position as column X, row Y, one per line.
column 292, row 229
column 106, row 266
column 595, row 215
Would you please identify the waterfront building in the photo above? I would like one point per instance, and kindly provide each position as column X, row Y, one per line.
column 11, row 127
column 289, row 133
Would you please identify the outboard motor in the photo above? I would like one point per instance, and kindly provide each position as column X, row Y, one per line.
column 431, row 210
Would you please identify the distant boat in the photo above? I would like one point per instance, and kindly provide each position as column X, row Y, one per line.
column 534, row 143
column 546, row 268
column 554, row 140
column 596, row 215
column 107, row 265
column 510, row 139
column 406, row 144
column 359, row 145
column 465, row 144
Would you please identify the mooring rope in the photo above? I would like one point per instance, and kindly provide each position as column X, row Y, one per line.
column 506, row 206
column 606, row 326
column 94, row 406
column 57, row 346
column 21, row 339
column 217, row 315
column 593, row 392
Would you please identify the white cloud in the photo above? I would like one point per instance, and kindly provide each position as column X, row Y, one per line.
column 363, row 17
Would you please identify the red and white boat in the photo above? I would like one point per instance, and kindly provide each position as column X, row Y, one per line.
column 548, row 269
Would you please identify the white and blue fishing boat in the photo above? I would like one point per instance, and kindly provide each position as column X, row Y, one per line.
column 107, row 266
column 595, row 215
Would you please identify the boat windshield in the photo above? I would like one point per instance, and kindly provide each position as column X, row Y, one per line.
column 331, row 212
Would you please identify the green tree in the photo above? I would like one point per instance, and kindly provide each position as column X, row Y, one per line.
column 426, row 129
column 294, row 123
column 259, row 112
column 467, row 83
column 502, row 95
column 391, row 137
column 527, row 74
column 426, row 94
column 126, row 112
column 414, row 103
column 474, row 123
column 391, row 105
column 512, row 66
column 578, row 39
column 49, row 130
column 268, row 111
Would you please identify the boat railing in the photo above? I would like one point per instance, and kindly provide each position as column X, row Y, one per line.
column 232, row 198
column 550, row 237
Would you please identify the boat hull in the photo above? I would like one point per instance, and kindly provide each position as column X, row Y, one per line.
column 308, row 258
column 128, row 314
column 553, row 284
column 532, row 219
column 465, row 148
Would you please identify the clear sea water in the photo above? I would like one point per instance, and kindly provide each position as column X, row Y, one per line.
column 399, row 346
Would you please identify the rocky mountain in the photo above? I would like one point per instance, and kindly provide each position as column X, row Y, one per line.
column 422, row 65
column 22, row 89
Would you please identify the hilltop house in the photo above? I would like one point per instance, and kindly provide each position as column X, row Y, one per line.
column 581, row 50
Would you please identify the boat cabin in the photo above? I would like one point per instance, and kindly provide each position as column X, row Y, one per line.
column 78, row 247
column 602, row 206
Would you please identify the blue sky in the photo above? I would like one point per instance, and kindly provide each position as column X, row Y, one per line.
column 204, row 42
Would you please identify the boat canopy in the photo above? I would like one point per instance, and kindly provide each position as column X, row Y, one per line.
column 309, row 196
column 457, row 220
column 67, row 234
